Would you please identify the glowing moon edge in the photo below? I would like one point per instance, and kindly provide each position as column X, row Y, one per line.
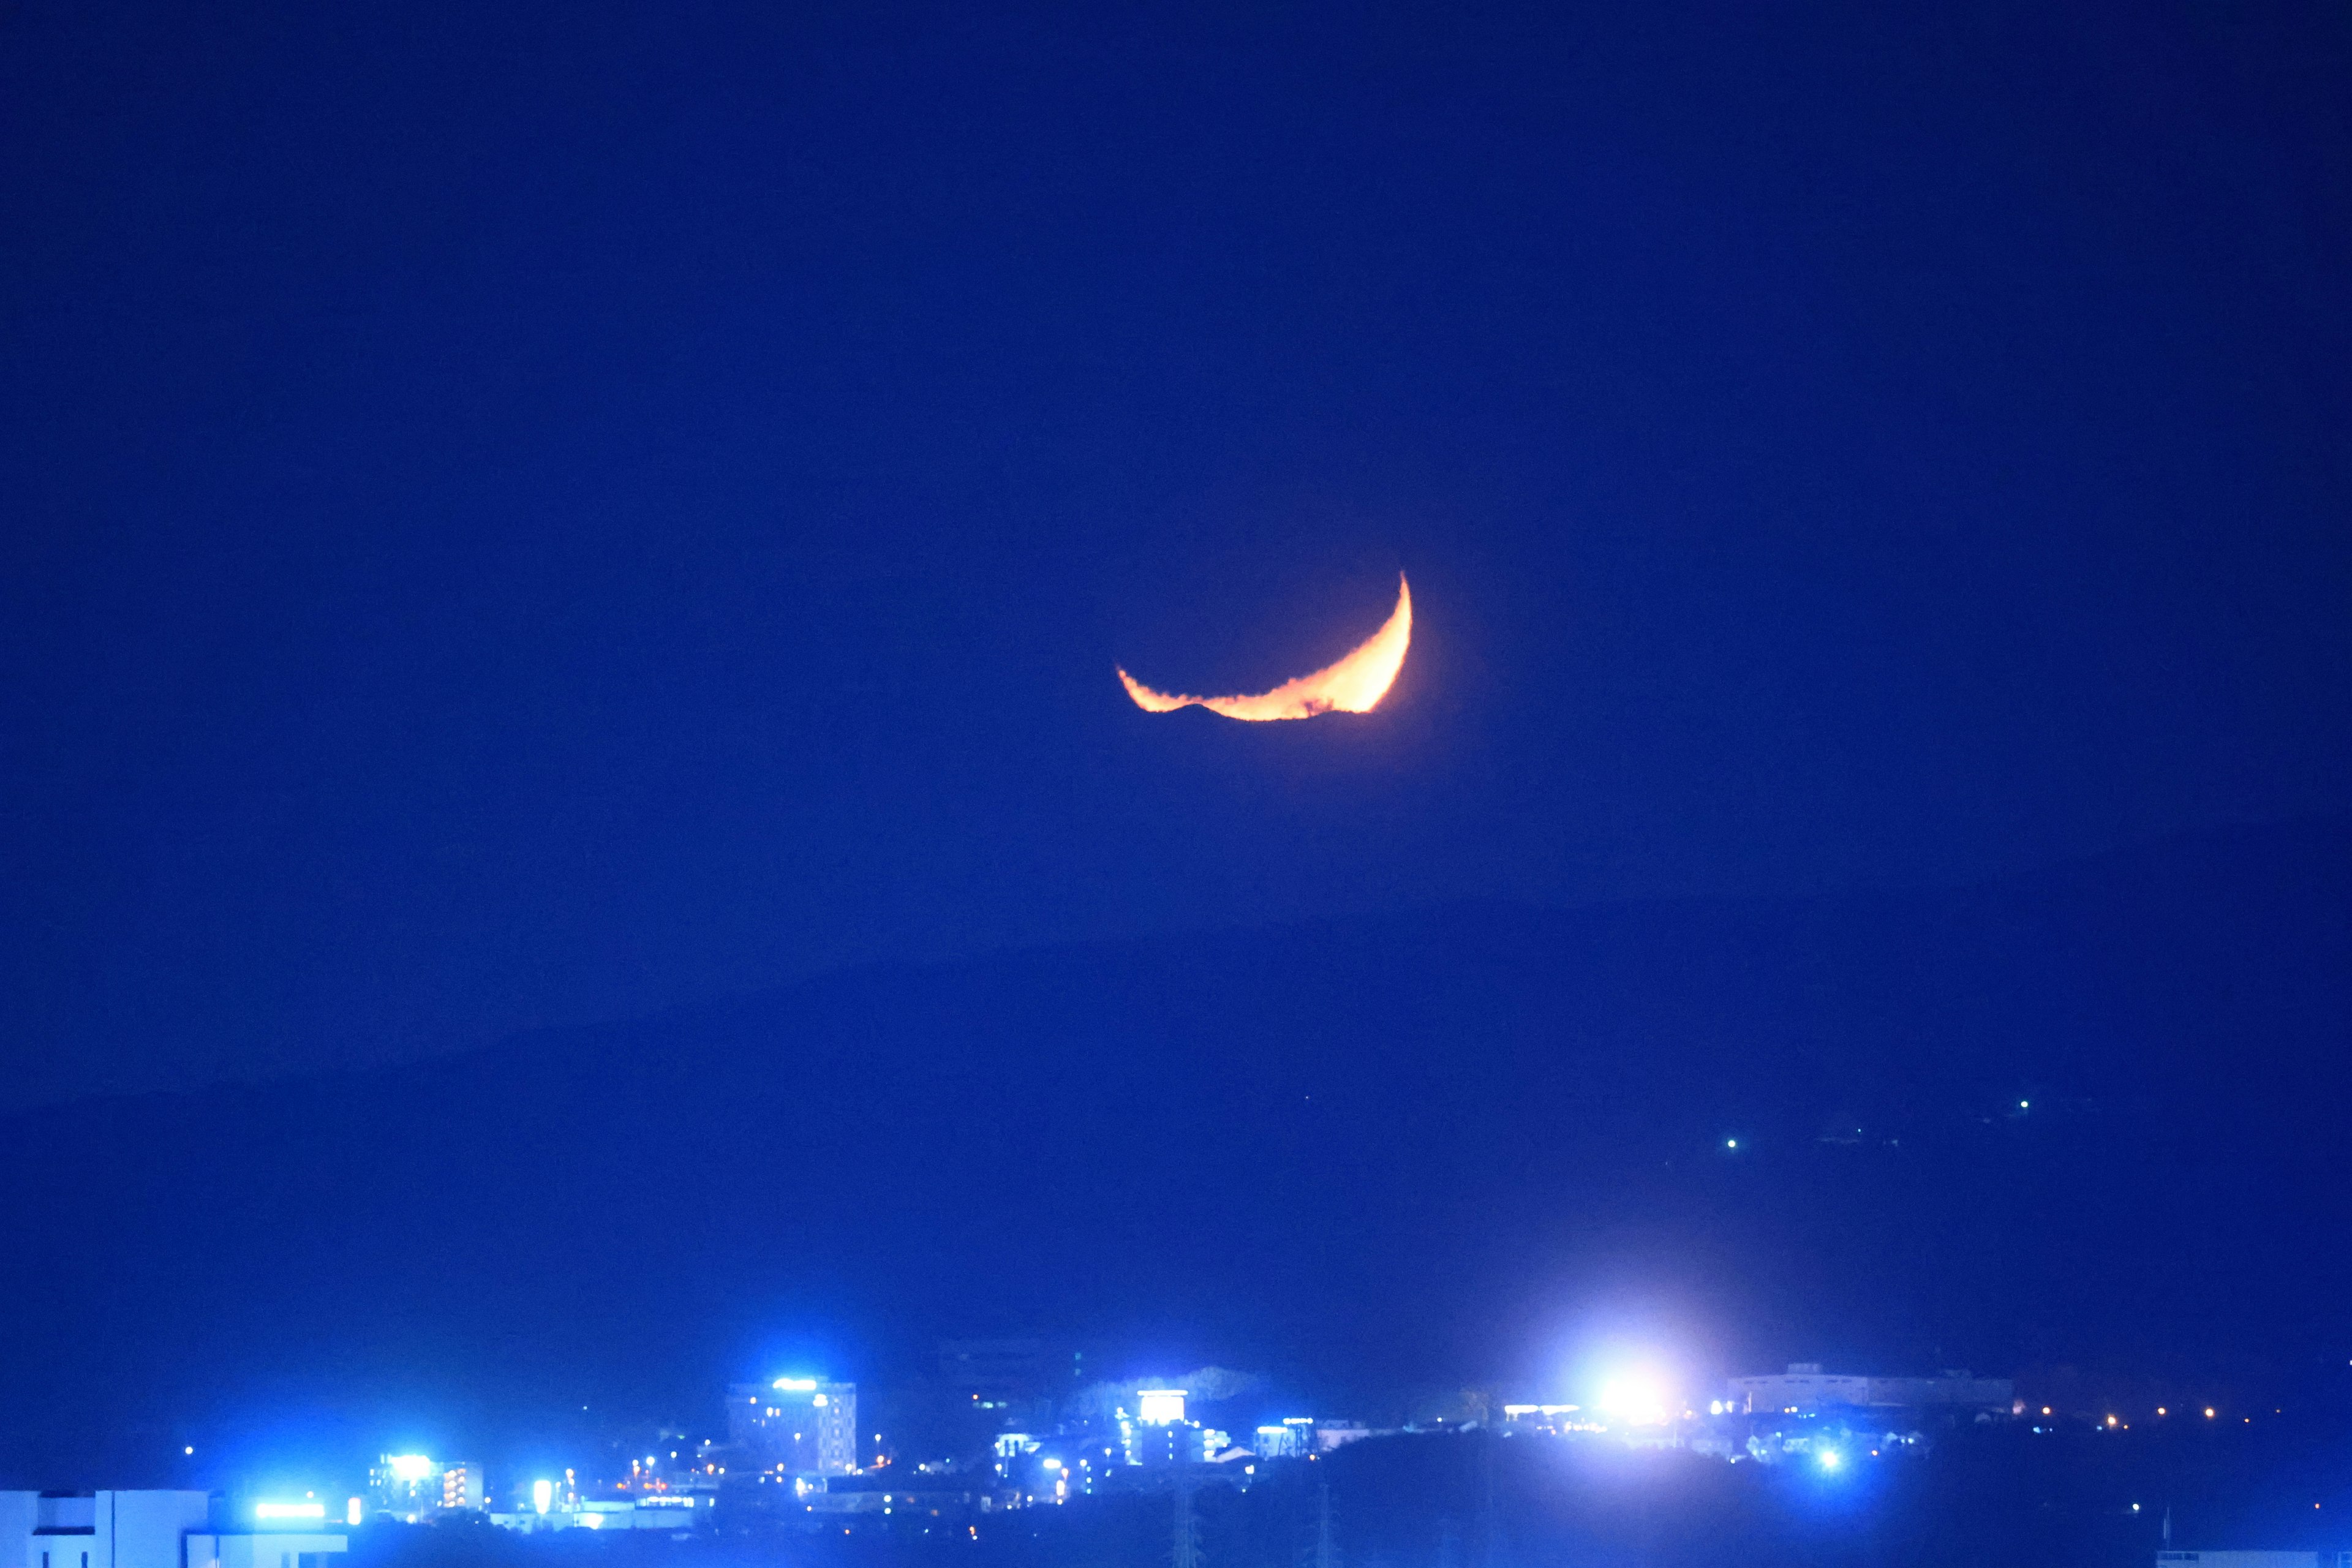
column 1355, row 684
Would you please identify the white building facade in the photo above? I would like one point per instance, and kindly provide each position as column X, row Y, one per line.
column 148, row 1529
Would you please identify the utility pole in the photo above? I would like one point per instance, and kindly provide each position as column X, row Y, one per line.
column 1486, row 1522
column 1327, row 1550
column 1187, row 1554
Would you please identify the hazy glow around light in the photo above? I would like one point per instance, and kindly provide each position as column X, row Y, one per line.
column 1639, row 1398
column 1830, row 1458
column 409, row 1466
column 796, row 1384
column 289, row 1510
column 543, row 1496
column 354, row 1511
column 1354, row 685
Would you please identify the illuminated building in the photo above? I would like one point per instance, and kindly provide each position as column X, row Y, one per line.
column 1160, row 1407
column 1804, row 1389
column 1158, row 1435
column 1294, row 1439
column 163, row 1530
column 413, row 1487
column 798, row 1426
column 670, row 1513
column 461, row 1487
column 1158, row 1444
column 405, row 1487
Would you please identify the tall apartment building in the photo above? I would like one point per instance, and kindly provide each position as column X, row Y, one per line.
column 802, row 1426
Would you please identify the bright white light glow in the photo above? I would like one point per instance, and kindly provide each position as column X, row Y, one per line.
column 819, row 1402
column 796, row 1384
column 354, row 1511
column 594, row 1520
column 543, row 1496
column 409, row 1466
column 289, row 1510
column 1160, row 1407
column 1637, row 1399
column 1830, row 1458
column 1731, row 1142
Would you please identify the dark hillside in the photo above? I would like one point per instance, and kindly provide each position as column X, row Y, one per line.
column 1365, row 1153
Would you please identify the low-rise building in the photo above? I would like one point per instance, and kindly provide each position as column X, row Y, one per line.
column 1805, row 1389
column 162, row 1530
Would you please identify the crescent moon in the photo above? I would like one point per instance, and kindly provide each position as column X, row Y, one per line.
column 1354, row 685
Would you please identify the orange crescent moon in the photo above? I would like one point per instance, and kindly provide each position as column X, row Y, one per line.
column 1354, row 685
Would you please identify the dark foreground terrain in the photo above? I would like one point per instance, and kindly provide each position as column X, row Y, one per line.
column 2007, row 1495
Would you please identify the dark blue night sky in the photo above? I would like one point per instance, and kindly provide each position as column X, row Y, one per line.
column 531, row 515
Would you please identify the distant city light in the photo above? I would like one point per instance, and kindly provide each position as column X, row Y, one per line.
column 796, row 1384
column 2208, row 1413
column 354, row 1511
column 1160, row 1407
column 1715, row 1407
column 2024, row 1105
column 1731, row 1142
column 409, row 1466
column 543, row 1496
column 289, row 1510
column 819, row 1401
column 190, row 1450
column 2111, row 1420
column 1830, row 1458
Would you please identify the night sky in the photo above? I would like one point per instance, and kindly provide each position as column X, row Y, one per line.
column 528, row 515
